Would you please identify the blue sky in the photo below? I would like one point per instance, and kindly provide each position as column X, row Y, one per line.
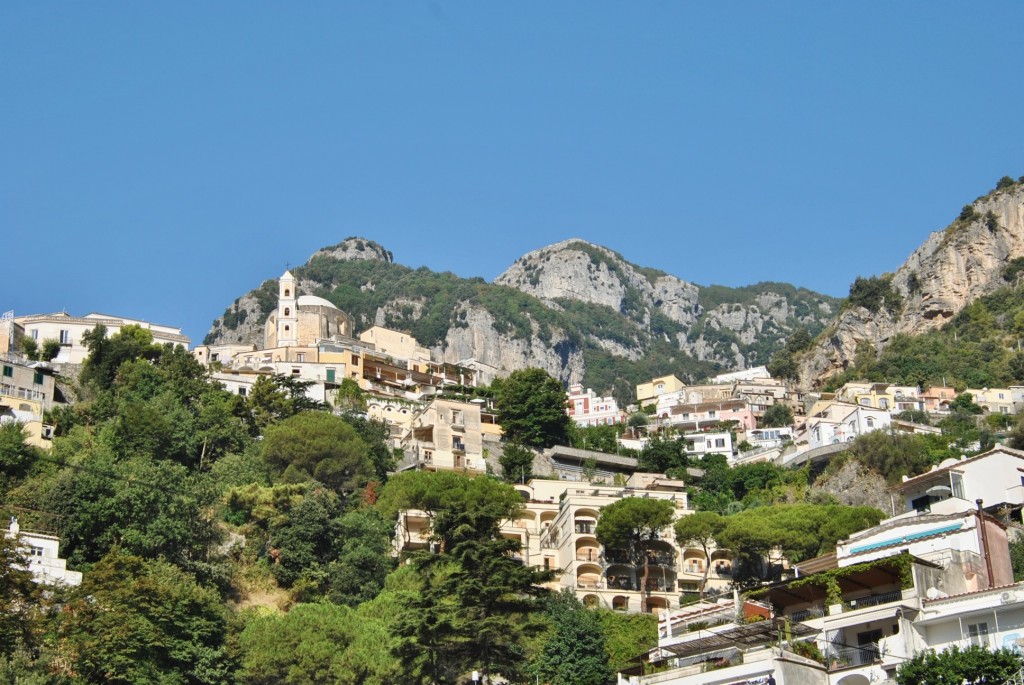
column 158, row 160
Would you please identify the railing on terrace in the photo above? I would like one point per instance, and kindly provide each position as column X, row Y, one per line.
column 588, row 555
column 806, row 614
column 852, row 657
column 22, row 393
column 873, row 600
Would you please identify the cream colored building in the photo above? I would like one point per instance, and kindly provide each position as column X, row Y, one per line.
column 26, row 392
column 303, row 320
column 446, row 435
column 993, row 400
column 396, row 344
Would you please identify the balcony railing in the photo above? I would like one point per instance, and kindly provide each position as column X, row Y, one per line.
column 807, row 614
column 585, row 528
column 852, row 657
column 873, row 600
column 588, row 555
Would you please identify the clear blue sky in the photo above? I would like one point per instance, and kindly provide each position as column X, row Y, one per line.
column 158, row 160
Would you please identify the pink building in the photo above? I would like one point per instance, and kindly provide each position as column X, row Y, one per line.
column 587, row 409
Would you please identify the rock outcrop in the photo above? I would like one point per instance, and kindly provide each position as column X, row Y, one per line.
column 951, row 269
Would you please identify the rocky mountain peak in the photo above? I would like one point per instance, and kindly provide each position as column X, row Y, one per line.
column 353, row 249
column 951, row 269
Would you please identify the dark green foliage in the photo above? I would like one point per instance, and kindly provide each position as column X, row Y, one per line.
column 531, row 409
column 16, row 456
column 139, row 621
column 575, row 652
column 700, row 528
column 320, row 446
column 892, row 455
column 21, row 600
column 991, row 222
column 662, row 453
column 874, row 293
column 1004, row 182
column 1013, row 268
column 464, row 616
column 595, row 438
column 375, row 435
column 49, row 350
column 627, row 635
column 972, row 665
column 967, row 214
column 630, row 525
column 362, row 558
column 1017, row 558
column 799, row 531
column 30, row 348
column 516, row 463
column 777, row 416
column 106, row 354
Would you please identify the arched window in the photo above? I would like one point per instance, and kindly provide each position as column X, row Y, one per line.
column 287, row 311
column 287, row 292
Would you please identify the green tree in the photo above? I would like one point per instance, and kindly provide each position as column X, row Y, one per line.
column 663, row 452
column 777, row 416
column 965, row 402
column 319, row 446
column 631, row 525
column 49, row 350
column 596, row 438
column 700, row 528
column 16, row 456
column 138, row 621
column 30, row 348
column 107, row 354
column 21, row 600
column 1017, row 557
column 973, row 665
column 363, row 557
column 575, row 652
column 516, row 463
column 475, row 595
column 531, row 408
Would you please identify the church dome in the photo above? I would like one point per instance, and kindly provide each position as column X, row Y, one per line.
column 313, row 301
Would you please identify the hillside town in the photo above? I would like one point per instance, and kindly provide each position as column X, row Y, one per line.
column 934, row 572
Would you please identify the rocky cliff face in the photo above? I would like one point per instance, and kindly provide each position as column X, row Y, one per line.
column 556, row 308
column 950, row 270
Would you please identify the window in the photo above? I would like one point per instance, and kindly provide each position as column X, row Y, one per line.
column 712, row 414
column 37, row 378
column 35, row 333
column 287, row 293
column 65, row 336
column 719, row 442
column 36, row 551
column 300, row 357
column 883, row 403
column 330, row 375
column 978, row 633
column 355, row 360
column 295, row 371
column 242, row 392
column 287, row 311
column 956, row 484
column 870, row 422
column 8, row 371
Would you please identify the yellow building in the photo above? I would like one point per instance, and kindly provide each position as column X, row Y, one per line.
column 647, row 393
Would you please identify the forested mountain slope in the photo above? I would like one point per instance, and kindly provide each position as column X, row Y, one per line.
column 577, row 310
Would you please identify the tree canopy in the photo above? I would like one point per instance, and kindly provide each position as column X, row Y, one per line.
column 320, row 446
column 631, row 524
column 531, row 408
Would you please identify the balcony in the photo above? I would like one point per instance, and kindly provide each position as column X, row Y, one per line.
column 588, row 554
column 873, row 600
column 853, row 657
column 807, row 614
column 585, row 528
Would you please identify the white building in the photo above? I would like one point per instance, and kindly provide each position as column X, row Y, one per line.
column 44, row 562
column 831, row 422
column 68, row 331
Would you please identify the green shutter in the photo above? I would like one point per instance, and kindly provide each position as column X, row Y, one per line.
column 330, row 375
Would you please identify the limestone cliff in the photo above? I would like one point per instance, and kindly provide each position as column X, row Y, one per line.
column 577, row 310
column 951, row 269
